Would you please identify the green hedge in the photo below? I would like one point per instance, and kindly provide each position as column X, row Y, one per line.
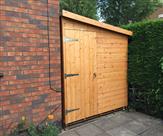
column 146, row 67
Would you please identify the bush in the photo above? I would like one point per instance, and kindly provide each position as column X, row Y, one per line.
column 48, row 129
column 145, row 74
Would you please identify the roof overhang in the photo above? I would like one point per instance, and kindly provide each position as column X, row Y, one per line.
column 92, row 22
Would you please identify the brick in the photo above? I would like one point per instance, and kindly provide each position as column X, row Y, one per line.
column 15, row 99
column 7, row 58
column 4, row 112
column 24, row 60
column 31, row 89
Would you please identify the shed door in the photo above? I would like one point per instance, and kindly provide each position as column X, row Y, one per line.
column 79, row 49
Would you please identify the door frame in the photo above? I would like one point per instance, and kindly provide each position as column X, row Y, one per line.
column 62, row 74
column 64, row 124
column 64, row 108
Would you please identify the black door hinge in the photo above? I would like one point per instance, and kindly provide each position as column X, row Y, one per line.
column 70, row 75
column 71, row 110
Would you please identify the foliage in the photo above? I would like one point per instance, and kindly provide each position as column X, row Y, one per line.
column 121, row 12
column 32, row 130
column 82, row 7
column 47, row 129
column 20, row 127
column 146, row 67
column 50, row 130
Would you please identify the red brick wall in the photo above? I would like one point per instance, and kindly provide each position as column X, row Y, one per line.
column 24, row 60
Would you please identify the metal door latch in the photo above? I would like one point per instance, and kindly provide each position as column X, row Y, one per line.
column 70, row 75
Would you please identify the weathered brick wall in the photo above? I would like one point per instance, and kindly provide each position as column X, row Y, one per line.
column 24, row 60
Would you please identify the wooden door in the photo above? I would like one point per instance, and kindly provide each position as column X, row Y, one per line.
column 79, row 51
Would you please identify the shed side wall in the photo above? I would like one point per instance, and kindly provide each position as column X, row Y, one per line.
column 24, row 61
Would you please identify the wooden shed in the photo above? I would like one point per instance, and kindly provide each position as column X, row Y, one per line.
column 95, row 57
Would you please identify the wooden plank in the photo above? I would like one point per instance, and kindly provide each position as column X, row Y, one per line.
column 111, row 41
column 95, row 23
column 78, row 114
column 108, row 45
column 109, row 70
column 112, row 49
column 104, row 96
column 93, row 91
column 86, row 67
column 82, row 91
column 112, row 65
column 112, row 106
column 70, row 97
column 106, row 77
column 112, row 100
column 72, row 83
column 111, row 85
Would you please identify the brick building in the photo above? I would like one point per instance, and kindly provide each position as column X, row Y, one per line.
column 158, row 13
column 30, row 63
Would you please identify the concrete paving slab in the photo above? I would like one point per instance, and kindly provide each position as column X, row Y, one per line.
column 69, row 133
column 143, row 118
column 89, row 130
column 154, row 131
column 136, row 126
column 121, row 119
column 104, row 134
column 121, row 131
column 106, row 124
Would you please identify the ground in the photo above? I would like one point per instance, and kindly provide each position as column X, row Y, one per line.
column 119, row 124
